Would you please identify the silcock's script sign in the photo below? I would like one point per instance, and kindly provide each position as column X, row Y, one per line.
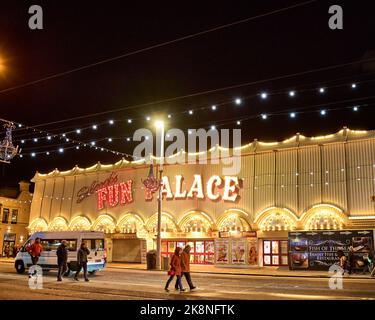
column 86, row 191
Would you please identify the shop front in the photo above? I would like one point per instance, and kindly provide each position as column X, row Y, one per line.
column 237, row 249
column 128, row 248
column 9, row 244
column 202, row 250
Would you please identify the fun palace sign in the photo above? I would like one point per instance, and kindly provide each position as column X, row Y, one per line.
column 113, row 192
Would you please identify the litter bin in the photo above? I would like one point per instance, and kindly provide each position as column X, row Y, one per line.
column 165, row 263
column 151, row 260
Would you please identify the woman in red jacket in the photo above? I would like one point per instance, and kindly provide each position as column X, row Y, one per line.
column 175, row 270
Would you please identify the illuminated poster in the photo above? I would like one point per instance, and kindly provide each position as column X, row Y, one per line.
column 238, row 251
column 317, row 250
column 252, row 252
column 222, row 251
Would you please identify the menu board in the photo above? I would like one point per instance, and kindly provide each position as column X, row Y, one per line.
column 222, row 251
column 317, row 250
column 238, row 251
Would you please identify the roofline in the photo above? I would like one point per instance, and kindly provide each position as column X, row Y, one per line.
column 297, row 141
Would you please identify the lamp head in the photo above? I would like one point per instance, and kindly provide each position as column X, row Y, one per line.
column 159, row 124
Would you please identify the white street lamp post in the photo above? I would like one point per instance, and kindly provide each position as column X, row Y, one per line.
column 159, row 147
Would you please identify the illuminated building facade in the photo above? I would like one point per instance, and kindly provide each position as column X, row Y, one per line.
column 14, row 215
column 302, row 183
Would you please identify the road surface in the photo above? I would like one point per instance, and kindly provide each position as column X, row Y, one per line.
column 125, row 284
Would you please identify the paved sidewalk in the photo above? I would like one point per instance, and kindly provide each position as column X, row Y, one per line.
column 249, row 271
column 240, row 270
column 7, row 260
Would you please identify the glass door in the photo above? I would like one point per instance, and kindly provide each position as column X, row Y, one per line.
column 8, row 247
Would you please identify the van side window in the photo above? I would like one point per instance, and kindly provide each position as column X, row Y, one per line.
column 26, row 245
column 94, row 244
column 53, row 244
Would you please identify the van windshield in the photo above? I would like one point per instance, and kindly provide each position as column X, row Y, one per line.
column 94, row 244
column 53, row 244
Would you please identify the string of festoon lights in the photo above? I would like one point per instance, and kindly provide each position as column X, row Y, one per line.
column 77, row 144
column 93, row 144
column 74, row 143
column 15, row 201
column 238, row 101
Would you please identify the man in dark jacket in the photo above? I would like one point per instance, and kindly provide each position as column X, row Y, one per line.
column 62, row 259
column 82, row 254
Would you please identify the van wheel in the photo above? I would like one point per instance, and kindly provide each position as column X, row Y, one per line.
column 20, row 267
column 93, row 272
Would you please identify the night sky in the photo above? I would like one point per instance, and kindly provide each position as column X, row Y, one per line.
column 78, row 34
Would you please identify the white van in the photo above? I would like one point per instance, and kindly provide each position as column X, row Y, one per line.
column 50, row 242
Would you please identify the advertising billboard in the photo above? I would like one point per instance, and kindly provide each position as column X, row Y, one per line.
column 317, row 250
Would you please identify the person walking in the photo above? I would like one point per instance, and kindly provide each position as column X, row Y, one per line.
column 7, row 251
column 62, row 259
column 175, row 270
column 35, row 250
column 185, row 268
column 82, row 254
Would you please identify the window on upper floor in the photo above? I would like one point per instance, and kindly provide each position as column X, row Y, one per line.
column 14, row 216
column 5, row 215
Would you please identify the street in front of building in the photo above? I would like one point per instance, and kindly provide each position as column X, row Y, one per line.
column 116, row 283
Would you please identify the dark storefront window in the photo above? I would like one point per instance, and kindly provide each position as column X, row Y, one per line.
column 8, row 244
column 5, row 215
column 275, row 252
column 14, row 216
column 202, row 251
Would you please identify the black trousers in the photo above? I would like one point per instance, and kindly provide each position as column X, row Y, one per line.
column 34, row 260
column 84, row 266
column 62, row 268
column 178, row 282
column 188, row 279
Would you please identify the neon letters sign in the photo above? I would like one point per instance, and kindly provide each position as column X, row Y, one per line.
column 216, row 188
column 86, row 191
column 118, row 193
column 229, row 184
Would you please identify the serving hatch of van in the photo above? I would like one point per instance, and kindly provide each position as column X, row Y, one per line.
column 51, row 240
